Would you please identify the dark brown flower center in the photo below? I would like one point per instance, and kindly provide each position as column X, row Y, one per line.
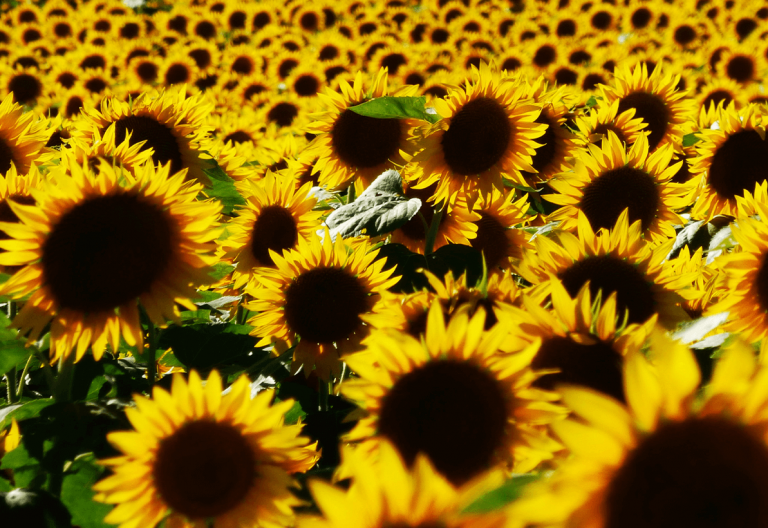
column 95, row 85
column 202, row 57
column 597, row 366
column 237, row 137
column 147, row 71
column 610, row 274
column 738, row 164
column 703, row 472
column 283, row 114
column 157, row 136
column 177, row 73
column 455, row 412
column 544, row 56
column 761, row 284
column 323, row 305
column 6, row 157
column 741, row 68
column 491, row 240
column 477, row 137
column 610, row 193
column 204, row 469
column 684, row 35
column 73, row 106
column 364, row 142
column 307, row 85
column 106, row 251
column 653, row 110
column 25, row 87
column 716, row 97
column 545, row 154
column 275, row 229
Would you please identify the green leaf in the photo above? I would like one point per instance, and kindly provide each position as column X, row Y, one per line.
column 690, row 139
column 296, row 413
column 221, row 270
column 381, row 208
column 204, row 346
column 501, row 496
column 77, row 496
column 205, row 296
column 389, row 107
column 223, row 189
column 26, row 468
column 22, row 411
column 592, row 101
column 12, row 349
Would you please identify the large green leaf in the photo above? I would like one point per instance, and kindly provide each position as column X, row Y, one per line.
column 223, row 189
column 12, row 349
column 204, row 346
column 390, row 107
column 77, row 496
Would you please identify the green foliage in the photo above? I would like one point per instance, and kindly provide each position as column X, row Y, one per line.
column 77, row 496
column 223, row 189
column 691, row 139
column 389, row 107
column 501, row 496
column 13, row 353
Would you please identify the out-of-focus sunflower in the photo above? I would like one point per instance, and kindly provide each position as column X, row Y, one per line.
column 499, row 236
column 618, row 261
column 154, row 248
column 731, row 159
column 315, row 298
column 26, row 84
column 197, row 455
column 650, row 463
column 243, row 129
column 145, row 69
column 244, row 60
column 747, row 277
column 170, row 123
column 287, row 110
column 178, row 68
column 352, row 147
column 717, row 91
column 106, row 150
column 275, row 215
column 18, row 189
column 583, row 339
column 740, row 65
column 656, row 100
column 385, row 492
column 487, row 134
column 606, row 181
column 22, row 137
column 453, row 384
column 306, row 81
column 457, row 227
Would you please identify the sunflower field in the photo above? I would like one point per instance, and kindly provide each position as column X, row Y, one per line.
column 383, row 264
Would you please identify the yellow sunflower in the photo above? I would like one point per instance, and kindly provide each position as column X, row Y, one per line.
column 499, row 235
column 92, row 248
column 486, row 135
column 106, row 150
column 456, row 227
column 22, row 137
column 453, row 384
column 197, row 456
column 583, row 338
column 653, row 462
column 732, row 157
column 314, row 300
column 606, row 181
column 602, row 118
column 275, row 215
column 17, row 189
column 618, row 261
column 355, row 148
column 747, row 278
column 385, row 492
column 656, row 100
column 170, row 123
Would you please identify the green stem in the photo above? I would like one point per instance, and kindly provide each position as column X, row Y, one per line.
column 432, row 233
column 324, row 388
column 62, row 389
column 50, row 378
column 20, row 390
column 269, row 364
column 10, row 380
column 151, row 354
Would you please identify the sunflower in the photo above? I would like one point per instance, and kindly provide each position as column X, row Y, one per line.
column 651, row 463
column 451, row 384
column 719, row 90
column 97, row 82
column 22, row 137
column 352, row 147
column 242, row 129
column 178, row 68
column 583, row 339
column 275, row 215
column 611, row 179
column 316, row 297
column 746, row 279
column 486, row 135
column 171, row 124
column 456, row 227
column 26, row 84
column 244, row 60
column 499, row 236
column 618, row 261
column 305, row 81
column 106, row 150
column 196, row 454
column 656, row 100
column 732, row 157
column 385, row 492
column 740, row 64
column 145, row 69
column 154, row 248
column 602, row 118
column 17, row 189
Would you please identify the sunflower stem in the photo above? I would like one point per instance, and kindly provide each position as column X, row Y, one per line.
column 10, row 380
column 432, row 233
column 62, row 390
column 20, row 389
column 47, row 370
column 151, row 354
column 323, row 388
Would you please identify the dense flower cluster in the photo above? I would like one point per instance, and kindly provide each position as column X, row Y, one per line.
column 382, row 263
